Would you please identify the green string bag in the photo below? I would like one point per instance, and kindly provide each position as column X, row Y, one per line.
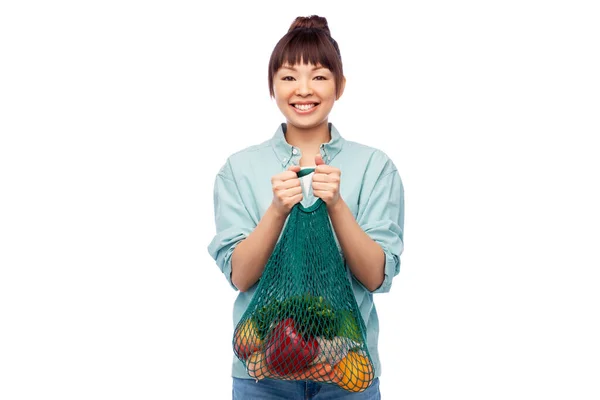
column 303, row 323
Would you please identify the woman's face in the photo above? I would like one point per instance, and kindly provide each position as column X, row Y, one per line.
column 304, row 93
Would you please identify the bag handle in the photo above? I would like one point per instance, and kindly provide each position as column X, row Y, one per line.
column 317, row 203
column 305, row 171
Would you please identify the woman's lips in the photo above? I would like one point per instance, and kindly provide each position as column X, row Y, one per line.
column 303, row 112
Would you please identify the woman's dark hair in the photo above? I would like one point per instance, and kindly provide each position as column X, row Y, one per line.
column 309, row 41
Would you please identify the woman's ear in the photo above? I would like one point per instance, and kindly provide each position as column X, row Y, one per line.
column 342, row 88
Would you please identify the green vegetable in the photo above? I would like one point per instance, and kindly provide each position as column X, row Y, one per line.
column 313, row 316
column 267, row 316
column 348, row 326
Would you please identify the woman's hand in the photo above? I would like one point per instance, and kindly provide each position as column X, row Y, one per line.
column 287, row 191
column 326, row 182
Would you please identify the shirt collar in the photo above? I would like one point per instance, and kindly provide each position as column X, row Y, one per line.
column 286, row 153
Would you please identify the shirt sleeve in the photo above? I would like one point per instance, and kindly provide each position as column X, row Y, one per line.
column 232, row 220
column 383, row 221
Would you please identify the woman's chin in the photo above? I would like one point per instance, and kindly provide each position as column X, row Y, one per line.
column 305, row 123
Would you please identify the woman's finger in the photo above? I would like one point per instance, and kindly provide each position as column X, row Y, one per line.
column 326, row 178
column 290, row 183
column 323, row 186
column 326, row 169
column 291, row 191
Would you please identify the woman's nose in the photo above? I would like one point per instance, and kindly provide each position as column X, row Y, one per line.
column 304, row 88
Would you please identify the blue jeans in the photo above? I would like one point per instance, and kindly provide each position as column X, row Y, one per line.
column 271, row 389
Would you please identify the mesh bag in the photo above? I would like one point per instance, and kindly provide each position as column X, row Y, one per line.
column 303, row 322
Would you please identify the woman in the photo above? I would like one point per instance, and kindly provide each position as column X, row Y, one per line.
column 366, row 206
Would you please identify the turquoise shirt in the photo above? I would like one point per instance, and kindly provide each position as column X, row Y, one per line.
column 370, row 185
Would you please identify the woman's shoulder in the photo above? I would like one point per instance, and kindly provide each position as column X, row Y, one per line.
column 245, row 159
column 247, row 152
column 371, row 158
column 250, row 151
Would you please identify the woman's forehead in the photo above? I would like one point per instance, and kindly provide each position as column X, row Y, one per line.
column 296, row 67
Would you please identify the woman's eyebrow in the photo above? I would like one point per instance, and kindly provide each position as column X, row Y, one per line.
column 294, row 69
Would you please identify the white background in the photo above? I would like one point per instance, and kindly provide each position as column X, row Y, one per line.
column 115, row 117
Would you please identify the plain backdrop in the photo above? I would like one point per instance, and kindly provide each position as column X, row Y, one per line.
column 115, row 117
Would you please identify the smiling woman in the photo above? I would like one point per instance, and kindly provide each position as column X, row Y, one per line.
column 306, row 76
column 308, row 41
column 306, row 93
column 365, row 216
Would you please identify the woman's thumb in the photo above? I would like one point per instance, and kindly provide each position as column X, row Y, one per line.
column 319, row 160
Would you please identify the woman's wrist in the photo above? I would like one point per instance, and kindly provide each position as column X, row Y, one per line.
column 276, row 214
column 337, row 208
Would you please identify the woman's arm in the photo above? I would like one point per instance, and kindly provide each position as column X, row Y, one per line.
column 364, row 256
column 251, row 255
column 371, row 243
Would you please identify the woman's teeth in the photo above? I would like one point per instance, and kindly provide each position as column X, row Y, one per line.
column 304, row 107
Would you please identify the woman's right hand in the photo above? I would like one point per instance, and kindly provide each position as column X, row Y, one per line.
column 287, row 191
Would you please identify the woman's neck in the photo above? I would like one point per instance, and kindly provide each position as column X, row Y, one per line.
column 307, row 139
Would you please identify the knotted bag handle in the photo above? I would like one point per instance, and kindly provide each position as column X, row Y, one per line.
column 318, row 202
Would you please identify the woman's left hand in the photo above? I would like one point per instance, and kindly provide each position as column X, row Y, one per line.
column 326, row 182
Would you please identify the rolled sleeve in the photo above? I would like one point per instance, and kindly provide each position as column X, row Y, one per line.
column 383, row 221
column 232, row 220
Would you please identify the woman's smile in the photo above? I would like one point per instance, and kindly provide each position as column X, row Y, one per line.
column 304, row 108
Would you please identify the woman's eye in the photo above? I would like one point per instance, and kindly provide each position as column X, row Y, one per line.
column 320, row 78
column 287, row 78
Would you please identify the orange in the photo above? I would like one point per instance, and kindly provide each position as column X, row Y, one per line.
column 355, row 372
column 256, row 366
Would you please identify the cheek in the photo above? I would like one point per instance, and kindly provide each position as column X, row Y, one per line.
column 282, row 103
column 282, row 95
column 279, row 96
column 327, row 94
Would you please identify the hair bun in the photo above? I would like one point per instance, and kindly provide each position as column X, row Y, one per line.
column 314, row 21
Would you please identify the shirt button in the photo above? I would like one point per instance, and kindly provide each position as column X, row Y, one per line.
column 294, row 151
